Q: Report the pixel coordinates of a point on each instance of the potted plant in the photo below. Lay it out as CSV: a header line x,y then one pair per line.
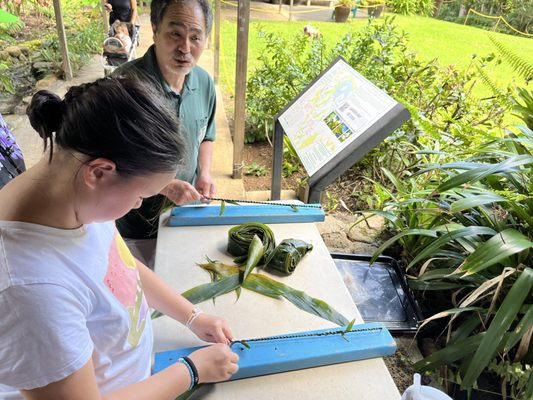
x,y
375,7
343,9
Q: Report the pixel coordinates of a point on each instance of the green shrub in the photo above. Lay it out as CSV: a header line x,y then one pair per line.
x,y
411,7
439,99
256,169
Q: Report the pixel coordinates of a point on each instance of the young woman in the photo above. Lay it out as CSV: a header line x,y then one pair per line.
x,y
75,319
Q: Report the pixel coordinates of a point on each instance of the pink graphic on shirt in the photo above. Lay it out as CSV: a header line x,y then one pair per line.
x,y
122,279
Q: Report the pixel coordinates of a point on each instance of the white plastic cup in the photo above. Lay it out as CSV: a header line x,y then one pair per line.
x,y
420,392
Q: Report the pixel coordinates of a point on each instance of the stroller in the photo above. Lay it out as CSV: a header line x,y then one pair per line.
x,y
111,56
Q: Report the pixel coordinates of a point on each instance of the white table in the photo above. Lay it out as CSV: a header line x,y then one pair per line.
x,y
254,315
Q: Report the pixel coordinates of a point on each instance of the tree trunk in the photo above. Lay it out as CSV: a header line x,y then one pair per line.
x,y
438,5
462,11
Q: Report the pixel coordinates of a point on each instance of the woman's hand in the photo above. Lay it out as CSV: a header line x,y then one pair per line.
x,y
181,192
215,363
211,328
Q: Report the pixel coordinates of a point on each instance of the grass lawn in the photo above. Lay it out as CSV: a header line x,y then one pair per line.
x,y
448,42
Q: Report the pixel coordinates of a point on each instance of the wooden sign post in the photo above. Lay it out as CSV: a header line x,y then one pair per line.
x,y
240,85
67,69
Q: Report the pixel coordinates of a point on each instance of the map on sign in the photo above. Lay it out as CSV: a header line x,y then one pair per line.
x,y
332,113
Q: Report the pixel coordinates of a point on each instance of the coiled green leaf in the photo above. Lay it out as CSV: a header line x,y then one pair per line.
x,y
240,237
287,255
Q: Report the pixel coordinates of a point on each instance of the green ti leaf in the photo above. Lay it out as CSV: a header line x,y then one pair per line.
x,y
499,247
211,290
348,329
300,299
255,253
243,342
496,335
230,280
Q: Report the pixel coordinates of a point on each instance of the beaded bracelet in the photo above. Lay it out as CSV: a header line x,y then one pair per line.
x,y
191,372
194,370
195,313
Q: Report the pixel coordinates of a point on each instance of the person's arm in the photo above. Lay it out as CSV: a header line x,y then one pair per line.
x,y
166,300
82,385
204,181
108,6
133,11
214,363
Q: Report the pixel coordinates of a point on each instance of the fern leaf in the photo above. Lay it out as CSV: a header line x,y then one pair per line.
x,y
519,64
490,83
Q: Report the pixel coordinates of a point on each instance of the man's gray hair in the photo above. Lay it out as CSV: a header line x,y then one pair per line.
x,y
158,8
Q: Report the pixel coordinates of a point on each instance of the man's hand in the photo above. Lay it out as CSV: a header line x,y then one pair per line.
x,y
205,185
108,7
181,192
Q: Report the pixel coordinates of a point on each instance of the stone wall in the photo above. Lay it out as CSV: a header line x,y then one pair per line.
x,y
19,73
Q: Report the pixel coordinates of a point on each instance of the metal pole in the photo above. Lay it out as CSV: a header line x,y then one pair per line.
x,y
243,21
277,160
67,69
217,42
280,5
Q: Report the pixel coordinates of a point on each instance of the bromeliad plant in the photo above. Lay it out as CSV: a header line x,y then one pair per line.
x,y
466,230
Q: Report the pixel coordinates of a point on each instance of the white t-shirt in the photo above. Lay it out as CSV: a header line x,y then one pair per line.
x,y
67,296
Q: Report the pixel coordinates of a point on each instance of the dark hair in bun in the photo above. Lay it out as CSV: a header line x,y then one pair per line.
x,y
45,113
118,118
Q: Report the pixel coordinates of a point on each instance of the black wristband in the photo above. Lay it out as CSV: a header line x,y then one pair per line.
x,y
194,370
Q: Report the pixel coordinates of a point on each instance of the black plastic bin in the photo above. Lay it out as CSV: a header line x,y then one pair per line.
x,y
380,291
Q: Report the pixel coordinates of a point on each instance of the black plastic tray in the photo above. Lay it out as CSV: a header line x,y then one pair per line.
x,y
379,291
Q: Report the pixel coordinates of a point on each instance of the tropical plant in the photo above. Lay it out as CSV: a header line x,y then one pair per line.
x,y
466,231
520,65
256,169
514,375
5,82
525,109
524,68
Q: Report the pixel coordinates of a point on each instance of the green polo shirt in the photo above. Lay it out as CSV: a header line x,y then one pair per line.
x,y
195,107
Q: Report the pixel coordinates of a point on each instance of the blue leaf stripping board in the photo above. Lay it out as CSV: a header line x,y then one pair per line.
x,y
237,214
289,353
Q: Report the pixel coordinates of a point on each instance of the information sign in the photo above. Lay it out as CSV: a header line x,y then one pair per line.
x,y
332,113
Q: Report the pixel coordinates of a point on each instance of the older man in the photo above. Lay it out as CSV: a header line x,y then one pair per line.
x,y
180,31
